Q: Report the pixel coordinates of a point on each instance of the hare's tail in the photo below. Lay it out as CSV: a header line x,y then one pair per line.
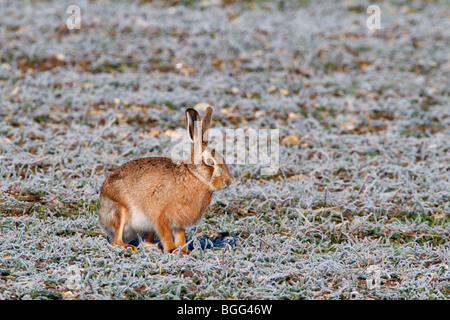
x,y
107,215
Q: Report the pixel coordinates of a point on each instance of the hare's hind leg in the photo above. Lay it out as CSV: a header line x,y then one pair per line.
x,y
117,238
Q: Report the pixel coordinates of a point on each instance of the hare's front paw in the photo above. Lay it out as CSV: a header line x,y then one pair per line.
x,y
173,249
183,250
124,245
166,250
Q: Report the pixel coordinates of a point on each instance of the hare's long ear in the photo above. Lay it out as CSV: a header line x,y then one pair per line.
x,y
206,123
192,118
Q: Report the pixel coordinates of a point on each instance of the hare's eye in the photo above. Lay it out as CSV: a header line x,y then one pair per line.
x,y
210,161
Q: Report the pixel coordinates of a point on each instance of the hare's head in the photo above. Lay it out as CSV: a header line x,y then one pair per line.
x,y
207,164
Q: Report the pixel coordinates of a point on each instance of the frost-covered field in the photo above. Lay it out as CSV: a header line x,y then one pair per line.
x,y
359,209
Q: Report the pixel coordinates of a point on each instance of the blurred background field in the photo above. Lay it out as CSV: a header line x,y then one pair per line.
x,y
358,210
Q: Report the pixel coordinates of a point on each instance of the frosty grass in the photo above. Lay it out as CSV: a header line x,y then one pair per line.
x,y
358,210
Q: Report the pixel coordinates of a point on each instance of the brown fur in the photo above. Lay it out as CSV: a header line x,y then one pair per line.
x,y
156,194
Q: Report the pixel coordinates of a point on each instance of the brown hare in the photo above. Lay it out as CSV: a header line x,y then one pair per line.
x,y
159,195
